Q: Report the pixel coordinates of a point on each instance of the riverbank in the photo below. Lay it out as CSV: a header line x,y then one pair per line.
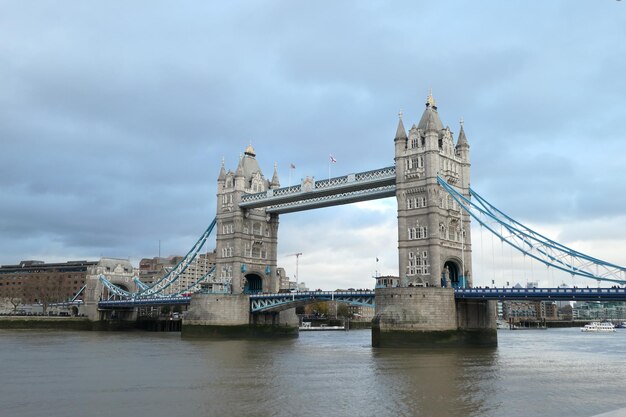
x,y
47,323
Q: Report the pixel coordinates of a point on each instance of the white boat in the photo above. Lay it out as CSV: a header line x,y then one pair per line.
x,y
597,327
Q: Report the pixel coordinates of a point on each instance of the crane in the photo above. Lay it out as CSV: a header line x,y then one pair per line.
x,y
297,255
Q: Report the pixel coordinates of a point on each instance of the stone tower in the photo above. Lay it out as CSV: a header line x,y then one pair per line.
x,y
246,240
434,244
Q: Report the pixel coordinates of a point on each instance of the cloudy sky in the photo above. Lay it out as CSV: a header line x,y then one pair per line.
x,y
114,117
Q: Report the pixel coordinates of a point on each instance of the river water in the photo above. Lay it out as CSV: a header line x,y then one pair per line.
x,y
555,372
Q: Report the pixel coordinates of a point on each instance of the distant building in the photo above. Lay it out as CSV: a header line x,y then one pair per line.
x,y
597,310
388,281
529,310
151,270
32,280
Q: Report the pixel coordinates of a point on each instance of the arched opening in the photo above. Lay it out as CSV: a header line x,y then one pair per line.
x,y
253,285
451,274
74,310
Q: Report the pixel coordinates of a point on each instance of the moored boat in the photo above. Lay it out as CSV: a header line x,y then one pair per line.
x,y
597,327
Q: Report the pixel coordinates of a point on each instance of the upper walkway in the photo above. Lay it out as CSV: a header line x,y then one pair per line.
x,y
311,194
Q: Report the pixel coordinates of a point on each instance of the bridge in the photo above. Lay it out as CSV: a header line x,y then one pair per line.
x,y
436,205
283,301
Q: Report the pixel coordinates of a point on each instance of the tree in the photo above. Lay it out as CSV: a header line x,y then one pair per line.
x,y
343,311
14,296
320,308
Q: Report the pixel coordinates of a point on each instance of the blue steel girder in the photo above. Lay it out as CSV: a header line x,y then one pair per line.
x,y
359,186
542,294
139,302
283,301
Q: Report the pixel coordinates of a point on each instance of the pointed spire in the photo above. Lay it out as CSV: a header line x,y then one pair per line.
x,y
250,151
462,141
275,183
430,118
430,101
401,131
222,175
239,172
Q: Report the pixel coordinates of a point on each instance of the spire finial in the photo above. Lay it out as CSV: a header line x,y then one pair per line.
x,y
430,101
461,121
400,114
222,161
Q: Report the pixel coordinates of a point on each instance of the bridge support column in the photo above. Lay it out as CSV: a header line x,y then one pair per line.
x,y
228,316
426,317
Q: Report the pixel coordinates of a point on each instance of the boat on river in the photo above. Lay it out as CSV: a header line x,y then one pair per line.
x,y
597,327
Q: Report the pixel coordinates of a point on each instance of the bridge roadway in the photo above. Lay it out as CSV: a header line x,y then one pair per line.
x,y
281,301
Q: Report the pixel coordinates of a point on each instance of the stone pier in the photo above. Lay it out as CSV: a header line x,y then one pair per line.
x,y
427,317
228,316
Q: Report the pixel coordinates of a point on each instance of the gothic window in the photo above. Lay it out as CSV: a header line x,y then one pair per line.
x,y
414,142
227,228
256,228
421,162
256,251
245,228
409,203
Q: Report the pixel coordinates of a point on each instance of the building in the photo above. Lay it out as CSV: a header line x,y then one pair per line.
x,y
433,232
37,281
153,269
597,310
529,310
387,281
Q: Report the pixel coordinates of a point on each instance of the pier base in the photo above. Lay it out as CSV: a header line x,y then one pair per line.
x,y
430,317
228,316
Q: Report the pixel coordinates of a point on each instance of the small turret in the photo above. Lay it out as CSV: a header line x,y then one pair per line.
x,y
275,183
462,146
401,131
222,175
240,179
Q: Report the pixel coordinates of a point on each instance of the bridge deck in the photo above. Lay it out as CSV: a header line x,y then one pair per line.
x,y
539,294
281,301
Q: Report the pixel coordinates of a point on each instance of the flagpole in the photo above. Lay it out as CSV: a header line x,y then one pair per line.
x,y
329,169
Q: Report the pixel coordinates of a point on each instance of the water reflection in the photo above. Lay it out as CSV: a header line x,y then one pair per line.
x,y
553,372
446,382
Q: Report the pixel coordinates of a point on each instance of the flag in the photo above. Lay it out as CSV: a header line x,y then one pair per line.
x,y
333,160
292,166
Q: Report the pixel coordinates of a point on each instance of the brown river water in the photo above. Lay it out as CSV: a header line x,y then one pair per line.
x,y
554,372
